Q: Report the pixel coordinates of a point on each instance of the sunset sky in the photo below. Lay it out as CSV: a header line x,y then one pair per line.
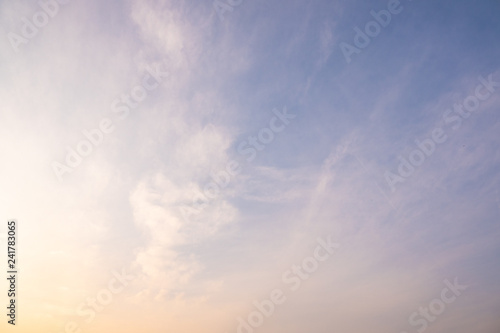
x,y
175,166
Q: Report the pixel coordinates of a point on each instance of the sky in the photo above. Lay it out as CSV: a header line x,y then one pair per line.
x,y
243,166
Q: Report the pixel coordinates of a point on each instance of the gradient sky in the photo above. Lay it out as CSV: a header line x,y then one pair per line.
x,y
323,176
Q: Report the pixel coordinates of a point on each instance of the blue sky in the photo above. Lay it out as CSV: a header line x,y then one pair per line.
x,y
323,175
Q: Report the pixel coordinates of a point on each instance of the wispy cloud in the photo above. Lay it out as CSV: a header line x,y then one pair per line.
x,y
322,175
